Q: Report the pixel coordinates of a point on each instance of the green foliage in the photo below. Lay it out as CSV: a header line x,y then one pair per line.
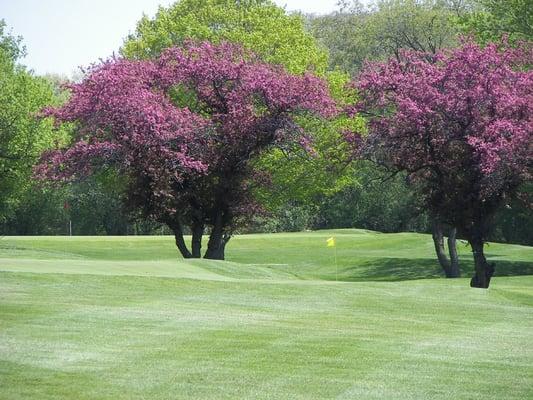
x,y
493,18
357,33
11,47
300,178
513,222
38,211
375,201
95,207
290,216
22,136
258,25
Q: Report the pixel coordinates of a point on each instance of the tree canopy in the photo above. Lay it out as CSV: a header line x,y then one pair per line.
x,y
379,30
258,25
492,19
22,136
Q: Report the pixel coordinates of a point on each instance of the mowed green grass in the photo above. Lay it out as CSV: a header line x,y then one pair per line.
x,y
125,318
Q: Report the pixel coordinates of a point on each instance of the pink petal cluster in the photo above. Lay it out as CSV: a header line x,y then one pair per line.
x,y
123,120
469,108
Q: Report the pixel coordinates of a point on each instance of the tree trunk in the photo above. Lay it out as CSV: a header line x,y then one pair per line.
x,y
180,242
449,266
455,272
216,251
483,271
438,241
196,244
217,240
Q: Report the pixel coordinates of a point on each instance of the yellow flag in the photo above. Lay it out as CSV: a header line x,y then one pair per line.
x,y
331,242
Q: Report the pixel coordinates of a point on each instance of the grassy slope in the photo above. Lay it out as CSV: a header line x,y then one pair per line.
x,y
122,318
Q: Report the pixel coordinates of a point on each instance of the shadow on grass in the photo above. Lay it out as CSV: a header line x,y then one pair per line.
x,y
402,269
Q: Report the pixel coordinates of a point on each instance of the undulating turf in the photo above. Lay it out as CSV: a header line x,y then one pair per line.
x,y
124,318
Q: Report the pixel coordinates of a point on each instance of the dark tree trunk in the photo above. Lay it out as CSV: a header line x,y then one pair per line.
x,y
438,241
449,266
216,249
455,272
218,239
483,271
196,244
180,242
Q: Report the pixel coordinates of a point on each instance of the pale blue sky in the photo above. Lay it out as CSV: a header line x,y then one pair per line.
x,y
61,35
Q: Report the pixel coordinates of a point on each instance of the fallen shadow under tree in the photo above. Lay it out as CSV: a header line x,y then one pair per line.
x,y
400,269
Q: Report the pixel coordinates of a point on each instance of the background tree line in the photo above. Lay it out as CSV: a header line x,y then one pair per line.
x,y
325,191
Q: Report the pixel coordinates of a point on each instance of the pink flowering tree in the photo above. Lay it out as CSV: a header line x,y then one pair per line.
x,y
182,130
460,125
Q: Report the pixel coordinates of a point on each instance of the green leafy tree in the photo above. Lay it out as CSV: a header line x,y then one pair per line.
x,y
514,220
491,19
357,33
22,136
300,180
258,25
377,201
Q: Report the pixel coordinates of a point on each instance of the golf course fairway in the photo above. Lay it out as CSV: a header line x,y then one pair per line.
x,y
127,318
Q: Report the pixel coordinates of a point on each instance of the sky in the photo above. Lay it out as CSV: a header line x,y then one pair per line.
x,y
62,35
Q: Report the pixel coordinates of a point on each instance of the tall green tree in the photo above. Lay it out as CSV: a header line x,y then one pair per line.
x,y
357,32
258,25
22,135
300,181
